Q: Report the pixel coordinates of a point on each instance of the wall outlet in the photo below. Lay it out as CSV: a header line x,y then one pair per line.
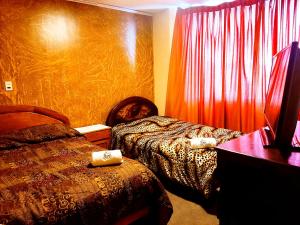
x,y
8,86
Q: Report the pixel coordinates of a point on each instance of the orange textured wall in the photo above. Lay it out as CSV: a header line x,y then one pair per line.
x,y
76,59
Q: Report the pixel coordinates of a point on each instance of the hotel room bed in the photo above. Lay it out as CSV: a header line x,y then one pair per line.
x,y
163,144
46,177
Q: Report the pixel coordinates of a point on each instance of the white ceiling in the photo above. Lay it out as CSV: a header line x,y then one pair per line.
x,y
151,6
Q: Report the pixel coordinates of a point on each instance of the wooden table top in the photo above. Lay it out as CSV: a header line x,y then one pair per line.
x,y
251,145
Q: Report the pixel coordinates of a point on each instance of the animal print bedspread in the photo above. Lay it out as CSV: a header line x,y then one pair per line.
x,y
45,178
163,145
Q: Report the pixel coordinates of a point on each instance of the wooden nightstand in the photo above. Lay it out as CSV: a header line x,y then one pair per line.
x,y
98,134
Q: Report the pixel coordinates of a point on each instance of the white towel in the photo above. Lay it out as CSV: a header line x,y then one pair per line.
x,y
201,142
109,157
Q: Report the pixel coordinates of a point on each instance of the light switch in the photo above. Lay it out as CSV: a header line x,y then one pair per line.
x,y
8,86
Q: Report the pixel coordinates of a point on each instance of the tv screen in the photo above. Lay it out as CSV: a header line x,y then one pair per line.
x,y
283,96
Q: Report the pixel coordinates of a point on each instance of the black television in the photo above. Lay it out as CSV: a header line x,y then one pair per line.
x,y
283,98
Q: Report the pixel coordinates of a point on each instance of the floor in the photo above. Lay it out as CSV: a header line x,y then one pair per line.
x,y
189,207
186,212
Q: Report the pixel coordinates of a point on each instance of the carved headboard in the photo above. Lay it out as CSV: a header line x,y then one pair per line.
x,y
131,109
13,117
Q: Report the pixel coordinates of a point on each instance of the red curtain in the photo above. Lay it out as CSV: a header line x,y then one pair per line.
x,y
221,60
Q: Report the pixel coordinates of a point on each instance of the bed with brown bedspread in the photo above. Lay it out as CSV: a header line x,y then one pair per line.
x,y
45,178
163,145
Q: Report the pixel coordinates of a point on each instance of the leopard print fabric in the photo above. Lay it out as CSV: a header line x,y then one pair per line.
x,y
163,145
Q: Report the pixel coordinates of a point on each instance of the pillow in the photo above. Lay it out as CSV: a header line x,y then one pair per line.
x,y
36,134
9,144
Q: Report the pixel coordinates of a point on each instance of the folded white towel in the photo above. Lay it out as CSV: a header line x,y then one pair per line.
x,y
201,142
109,157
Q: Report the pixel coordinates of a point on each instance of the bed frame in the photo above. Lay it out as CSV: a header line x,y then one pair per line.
x,y
14,117
131,109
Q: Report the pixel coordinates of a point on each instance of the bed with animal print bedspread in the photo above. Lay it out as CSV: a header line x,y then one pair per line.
x,y
163,145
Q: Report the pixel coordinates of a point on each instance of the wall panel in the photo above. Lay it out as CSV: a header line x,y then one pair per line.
x,y
73,58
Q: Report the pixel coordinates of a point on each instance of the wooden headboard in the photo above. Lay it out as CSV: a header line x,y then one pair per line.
x,y
131,109
13,117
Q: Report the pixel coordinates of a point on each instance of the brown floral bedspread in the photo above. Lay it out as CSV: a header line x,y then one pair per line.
x,y
45,178
163,145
